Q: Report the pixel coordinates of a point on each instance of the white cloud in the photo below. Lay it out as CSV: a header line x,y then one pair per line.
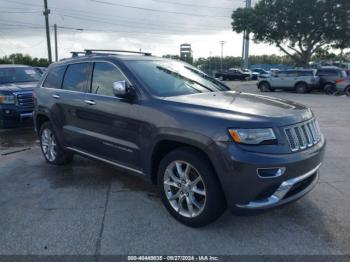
x,y
109,26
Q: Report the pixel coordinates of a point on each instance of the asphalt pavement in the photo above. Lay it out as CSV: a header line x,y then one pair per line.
x,y
91,208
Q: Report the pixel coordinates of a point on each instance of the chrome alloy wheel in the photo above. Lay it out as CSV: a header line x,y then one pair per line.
x,y
184,188
48,144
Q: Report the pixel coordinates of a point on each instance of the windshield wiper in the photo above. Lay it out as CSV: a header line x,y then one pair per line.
x,y
209,78
170,72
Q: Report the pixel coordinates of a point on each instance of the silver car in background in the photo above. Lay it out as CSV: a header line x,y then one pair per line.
x,y
301,81
343,86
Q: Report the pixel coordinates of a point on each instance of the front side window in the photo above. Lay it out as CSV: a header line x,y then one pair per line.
x,y
103,77
172,78
76,77
54,77
18,74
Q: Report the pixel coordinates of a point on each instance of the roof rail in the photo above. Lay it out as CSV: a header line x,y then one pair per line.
x,y
76,53
92,51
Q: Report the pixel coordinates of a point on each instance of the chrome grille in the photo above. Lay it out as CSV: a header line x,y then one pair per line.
x,y
303,135
25,100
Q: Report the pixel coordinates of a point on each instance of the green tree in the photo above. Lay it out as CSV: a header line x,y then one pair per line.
x,y
24,59
300,28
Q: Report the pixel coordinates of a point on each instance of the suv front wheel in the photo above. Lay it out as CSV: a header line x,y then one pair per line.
x,y
265,87
52,151
301,88
189,188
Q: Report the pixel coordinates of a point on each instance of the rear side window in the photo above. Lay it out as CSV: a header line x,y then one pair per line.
x,y
76,77
54,77
327,73
103,77
305,73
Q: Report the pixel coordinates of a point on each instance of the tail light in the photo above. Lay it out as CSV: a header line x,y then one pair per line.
x,y
339,81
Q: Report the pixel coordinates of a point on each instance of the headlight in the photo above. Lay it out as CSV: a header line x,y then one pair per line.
x,y
7,99
252,136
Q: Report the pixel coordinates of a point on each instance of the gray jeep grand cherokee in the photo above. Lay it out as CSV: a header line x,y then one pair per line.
x,y
205,146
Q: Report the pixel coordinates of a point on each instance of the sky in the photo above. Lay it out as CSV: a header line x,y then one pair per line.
x,y
156,26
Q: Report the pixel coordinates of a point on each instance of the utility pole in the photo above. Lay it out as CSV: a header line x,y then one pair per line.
x,y
209,64
46,14
56,47
246,42
243,49
222,52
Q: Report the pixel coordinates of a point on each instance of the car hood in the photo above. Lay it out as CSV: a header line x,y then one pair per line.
x,y
246,107
18,87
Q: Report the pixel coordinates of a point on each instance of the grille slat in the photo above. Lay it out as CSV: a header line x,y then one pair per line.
x,y
25,100
303,135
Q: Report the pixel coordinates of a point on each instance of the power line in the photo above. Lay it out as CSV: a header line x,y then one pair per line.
x,y
156,10
193,5
142,25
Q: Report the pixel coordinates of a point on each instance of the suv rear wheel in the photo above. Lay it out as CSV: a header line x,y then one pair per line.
x,y
264,87
189,188
52,151
347,91
301,88
329,89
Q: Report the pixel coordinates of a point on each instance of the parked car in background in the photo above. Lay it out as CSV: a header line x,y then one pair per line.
x,y
40,70
261,72
205,146
16,88
329,76
302,81
253,75
343,86
233,74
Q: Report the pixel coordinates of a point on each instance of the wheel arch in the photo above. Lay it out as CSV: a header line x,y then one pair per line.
x,y
164,146
40,119
301,82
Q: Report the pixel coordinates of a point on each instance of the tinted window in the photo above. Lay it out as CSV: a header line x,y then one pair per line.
x,y
103,77
327,73
281,73
291,73
18,74
54,77
305,73
76,77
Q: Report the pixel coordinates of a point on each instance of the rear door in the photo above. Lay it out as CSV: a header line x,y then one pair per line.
x,y
71,105
113,123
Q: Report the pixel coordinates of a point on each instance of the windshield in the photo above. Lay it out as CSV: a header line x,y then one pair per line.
x,y
18,74
172,78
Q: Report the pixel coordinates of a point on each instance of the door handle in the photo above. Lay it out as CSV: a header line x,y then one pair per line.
x,y
90,102
56,96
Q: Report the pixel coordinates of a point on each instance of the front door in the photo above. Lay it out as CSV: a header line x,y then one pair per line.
x,y
112,123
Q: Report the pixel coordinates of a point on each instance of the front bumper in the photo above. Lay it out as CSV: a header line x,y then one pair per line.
x,y
246,191
301,184
12,114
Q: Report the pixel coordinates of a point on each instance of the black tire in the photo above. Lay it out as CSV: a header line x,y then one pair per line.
x,y
329,89
301,88
214,204
61,156
347,91
264,87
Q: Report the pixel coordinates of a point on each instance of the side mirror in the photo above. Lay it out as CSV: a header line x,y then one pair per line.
x,y
121,88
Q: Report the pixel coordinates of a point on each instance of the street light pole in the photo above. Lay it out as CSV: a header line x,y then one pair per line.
x,y
46,14
222,52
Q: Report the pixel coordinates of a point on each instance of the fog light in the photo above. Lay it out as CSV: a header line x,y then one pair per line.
x,y
271,172
7,111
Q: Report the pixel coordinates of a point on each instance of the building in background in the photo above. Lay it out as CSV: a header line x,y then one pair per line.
x,y
186,53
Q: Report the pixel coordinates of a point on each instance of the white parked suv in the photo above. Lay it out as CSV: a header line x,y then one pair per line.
x,y
302,81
